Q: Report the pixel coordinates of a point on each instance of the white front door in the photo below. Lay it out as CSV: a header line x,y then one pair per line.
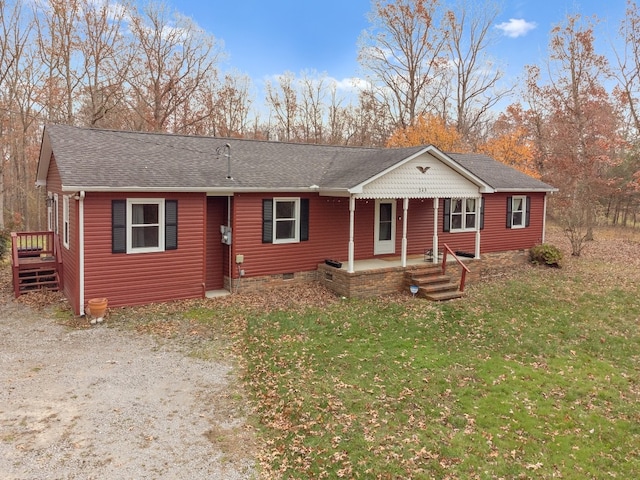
x,y
385,227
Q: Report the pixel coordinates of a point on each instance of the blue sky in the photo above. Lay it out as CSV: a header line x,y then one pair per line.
x,y
264,38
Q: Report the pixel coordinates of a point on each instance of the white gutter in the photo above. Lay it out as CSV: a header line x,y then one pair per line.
x,y
81,247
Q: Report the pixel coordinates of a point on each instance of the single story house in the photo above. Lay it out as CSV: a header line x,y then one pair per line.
x,y
152,217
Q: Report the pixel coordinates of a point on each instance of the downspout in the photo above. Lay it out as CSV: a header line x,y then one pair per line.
x,y
81,248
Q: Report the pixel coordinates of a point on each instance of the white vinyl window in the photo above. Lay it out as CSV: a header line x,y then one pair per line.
x,y
518,211
145,225
65,221
286,218
463,214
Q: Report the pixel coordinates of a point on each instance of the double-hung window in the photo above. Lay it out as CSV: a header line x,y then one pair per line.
x,y
518,211
460,214
285,220
147,233
286,216
142,225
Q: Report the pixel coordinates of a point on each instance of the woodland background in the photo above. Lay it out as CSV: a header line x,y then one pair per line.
x,y
429,78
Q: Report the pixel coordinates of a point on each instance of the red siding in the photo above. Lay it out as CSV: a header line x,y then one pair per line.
x,y
133,279
419,226
328,233
328,236
70,256
217,252
496,237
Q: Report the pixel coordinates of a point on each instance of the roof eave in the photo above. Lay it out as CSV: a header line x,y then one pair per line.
x,y
532,190
44,160
440,155
209,190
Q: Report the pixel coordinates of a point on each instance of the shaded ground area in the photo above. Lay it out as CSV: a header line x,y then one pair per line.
x,y
106,402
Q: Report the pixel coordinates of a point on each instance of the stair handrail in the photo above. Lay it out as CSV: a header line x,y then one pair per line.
x,y
465,269
57,253
15,264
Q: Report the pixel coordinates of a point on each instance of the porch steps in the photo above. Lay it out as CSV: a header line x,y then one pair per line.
x,y
432,285
37,279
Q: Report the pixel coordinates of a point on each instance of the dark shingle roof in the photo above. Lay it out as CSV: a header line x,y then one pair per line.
x,y
498,175
97,159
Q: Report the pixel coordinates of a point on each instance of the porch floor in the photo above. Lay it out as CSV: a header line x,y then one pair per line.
x,y
387,262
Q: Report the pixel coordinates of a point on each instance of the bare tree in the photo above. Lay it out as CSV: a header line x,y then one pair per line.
x,y
174,57
56,23
475,77
312,107
402,51
232,104
106,55
283,105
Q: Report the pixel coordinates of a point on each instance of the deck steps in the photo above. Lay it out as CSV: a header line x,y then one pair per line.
x,y
38,279
432,285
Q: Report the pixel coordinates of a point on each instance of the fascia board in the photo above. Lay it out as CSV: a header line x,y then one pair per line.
x,y
44,160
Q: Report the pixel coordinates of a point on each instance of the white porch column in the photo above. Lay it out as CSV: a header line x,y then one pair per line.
x,y
544,218
478,211
352,210
405,209
436,216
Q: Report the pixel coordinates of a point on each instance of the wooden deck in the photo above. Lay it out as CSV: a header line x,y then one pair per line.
x,y
36,262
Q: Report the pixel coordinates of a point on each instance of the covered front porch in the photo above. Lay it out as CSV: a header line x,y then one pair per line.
x,y
440,280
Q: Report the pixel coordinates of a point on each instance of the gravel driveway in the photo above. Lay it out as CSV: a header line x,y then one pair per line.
x,y
103,402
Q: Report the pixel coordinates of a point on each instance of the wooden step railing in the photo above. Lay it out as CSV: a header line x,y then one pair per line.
x,y
465,269
35,252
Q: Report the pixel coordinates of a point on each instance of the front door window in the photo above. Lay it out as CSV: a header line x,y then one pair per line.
x,y
385,227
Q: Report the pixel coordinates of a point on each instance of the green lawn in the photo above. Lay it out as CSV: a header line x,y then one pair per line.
x,y
537,376
532,376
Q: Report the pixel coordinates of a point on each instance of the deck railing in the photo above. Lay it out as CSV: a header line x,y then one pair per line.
x,y
465,269
29,245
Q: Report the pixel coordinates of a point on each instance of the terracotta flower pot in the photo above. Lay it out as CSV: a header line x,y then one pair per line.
x,y
97,309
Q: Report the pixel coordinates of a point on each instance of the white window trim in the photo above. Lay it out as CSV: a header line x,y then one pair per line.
x,y
66,233
523,211
55,216
161,221
464,215
49,211
296,227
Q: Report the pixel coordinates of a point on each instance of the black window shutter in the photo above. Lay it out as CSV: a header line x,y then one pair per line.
x,y
118,226
267,220
481,213
304,219
446,217
171,225
509,211
528,210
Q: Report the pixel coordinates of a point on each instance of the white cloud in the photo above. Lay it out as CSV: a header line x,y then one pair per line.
x,y
516,27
